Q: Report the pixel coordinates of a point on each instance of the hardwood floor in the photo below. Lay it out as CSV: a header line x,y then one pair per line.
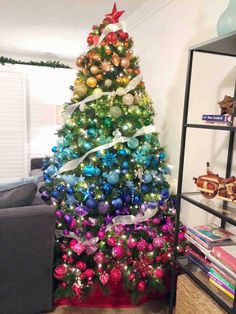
x,y
152,307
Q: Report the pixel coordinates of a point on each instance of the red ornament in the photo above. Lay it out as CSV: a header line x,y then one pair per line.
x,y
76,289
159,273
128,253
94,27
72,243
123,35
117,251
81,265
64,258
70,260
164,258
111,37
131,277
141,286
115,274
60,271
63,284
111,241
90,40
114,16
99,257
89,273
104,278
131,242
95,39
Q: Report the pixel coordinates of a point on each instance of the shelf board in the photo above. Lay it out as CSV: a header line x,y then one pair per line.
x,y
211,127
222,209
200,278
223,45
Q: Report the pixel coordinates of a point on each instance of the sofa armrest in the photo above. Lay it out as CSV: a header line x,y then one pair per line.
x,y
24,211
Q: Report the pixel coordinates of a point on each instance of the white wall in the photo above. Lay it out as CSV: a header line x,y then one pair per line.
x,y
162,32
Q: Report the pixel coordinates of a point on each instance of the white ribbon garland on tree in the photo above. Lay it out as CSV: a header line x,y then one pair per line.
x,y
72,164
71,108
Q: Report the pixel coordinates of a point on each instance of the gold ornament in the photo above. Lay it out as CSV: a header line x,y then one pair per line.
x,y
96,57
91,82
125,80
115,59
108,83
126,43
85,71
94,69
79,62
108,50
99,77
98,92
125,63
106,66
75,97
78,81
81,89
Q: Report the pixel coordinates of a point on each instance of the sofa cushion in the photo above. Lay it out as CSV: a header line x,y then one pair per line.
x,y
19,196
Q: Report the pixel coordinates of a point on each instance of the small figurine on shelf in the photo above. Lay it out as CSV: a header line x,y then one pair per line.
x,y
226,105
211,185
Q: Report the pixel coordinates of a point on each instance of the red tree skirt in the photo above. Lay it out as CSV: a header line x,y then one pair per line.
x,y
117,298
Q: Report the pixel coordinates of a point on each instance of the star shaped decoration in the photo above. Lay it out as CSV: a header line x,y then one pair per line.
x,y
81,179
138,173
114,16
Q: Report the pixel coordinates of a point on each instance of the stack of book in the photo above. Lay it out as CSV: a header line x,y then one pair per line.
x,y
214,252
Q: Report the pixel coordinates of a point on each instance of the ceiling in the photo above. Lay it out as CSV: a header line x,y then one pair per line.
x,y
53,28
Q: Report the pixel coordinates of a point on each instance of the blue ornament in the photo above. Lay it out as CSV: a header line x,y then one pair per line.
x,y
70,191
70,179
92,132
117,203
122,152
124,171
162,155
113,178
87,145
166,170
54,149
125,164
165,193
90,171
133,143
144,188
127,198
152,204
147,162
61,188
51,170
137,199
67,152
55,194
147,178
107,188
109,159
155,162
91,203
146,147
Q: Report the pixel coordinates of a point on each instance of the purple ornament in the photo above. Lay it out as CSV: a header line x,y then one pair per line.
x,y
118,229
103,207
81,210
88,235
77,232
58,213
68,218
127,198
45,196
117,202
152,204
65,232
143,207
165,228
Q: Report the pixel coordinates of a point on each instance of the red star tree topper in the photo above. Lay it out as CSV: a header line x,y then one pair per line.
x,y
114,16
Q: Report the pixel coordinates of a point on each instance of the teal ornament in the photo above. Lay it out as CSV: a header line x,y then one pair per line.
x,y
146,147
133,143
92,132
227,20
162,155
90,171
115,112
51,170
54,149
122,152
87,145
113,178
70,179
147,178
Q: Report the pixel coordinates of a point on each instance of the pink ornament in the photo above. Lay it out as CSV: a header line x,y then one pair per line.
x,y
158,242
73,223
150,247
81,265
131,243
70,260
181,236
104,278
76,289
89,273
101,234
142,245
131,277
141,286
79,248
111,241
95,39
88,235
64,258
99,257
115,274
159,273
156,221
60,271
72,243
117,251
63,284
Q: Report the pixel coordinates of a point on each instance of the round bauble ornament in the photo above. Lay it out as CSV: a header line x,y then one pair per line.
x,y
162,155
111,37
80,90
79,62
125,164
90,40
122,152
158,242
99,77
125,80
136,71
60,271
115,59
107,188
70,179
51,170
98,92
81,265
108,50
108,83
123,35
87,145
128,99
115,274
115,112
133,143
88,235
144,188
101,234
117,202
125,63
67,218
113,178
120,91
141,286
54,149
108,122
92,132
165,193
146,147
95,39
103,207
117,251
131,276
91,203
81,210
111,241
99,257
94,69
147,178
91,82
45,196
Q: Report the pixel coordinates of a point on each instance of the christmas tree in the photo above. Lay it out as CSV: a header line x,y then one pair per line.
x,y
108,176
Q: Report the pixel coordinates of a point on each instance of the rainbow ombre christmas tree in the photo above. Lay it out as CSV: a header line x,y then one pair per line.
x,y
108,176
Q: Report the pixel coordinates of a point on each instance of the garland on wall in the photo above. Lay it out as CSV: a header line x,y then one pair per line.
x,y
51,64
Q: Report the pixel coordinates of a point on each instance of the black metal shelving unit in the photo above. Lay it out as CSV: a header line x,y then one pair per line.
x,y
225,46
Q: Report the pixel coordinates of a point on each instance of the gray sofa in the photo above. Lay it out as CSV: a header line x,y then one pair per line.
x,y
26,259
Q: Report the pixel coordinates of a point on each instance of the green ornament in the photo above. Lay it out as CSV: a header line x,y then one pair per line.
x,y
146,147
115,112
108,122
